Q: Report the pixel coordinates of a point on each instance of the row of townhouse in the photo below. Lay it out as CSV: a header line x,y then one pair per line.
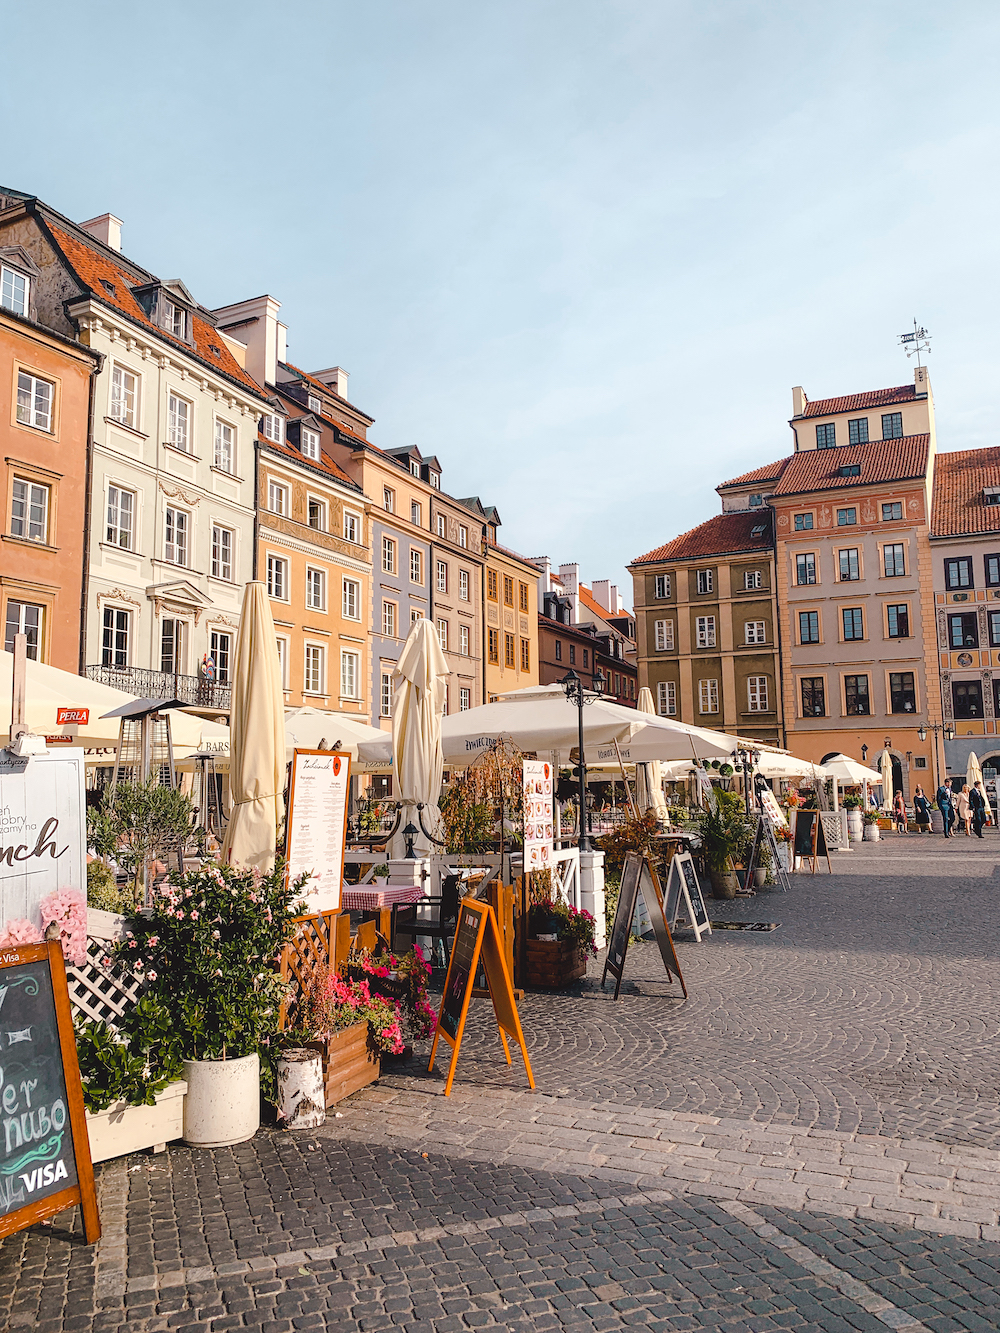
x,y
841,601
160,454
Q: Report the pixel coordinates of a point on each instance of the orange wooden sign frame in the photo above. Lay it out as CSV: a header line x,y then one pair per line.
x,y
488,949
83,1191
345,758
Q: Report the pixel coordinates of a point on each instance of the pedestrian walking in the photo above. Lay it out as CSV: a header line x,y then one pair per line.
x,y
943,798
977,800
899,812
965,809
921,811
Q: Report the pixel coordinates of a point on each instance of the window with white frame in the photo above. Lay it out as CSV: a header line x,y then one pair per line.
x,y
34,401
464,699
352,527
441,525
661,585
173,317
416,565
752,578
414,468
117,632
415,615
463,535
220,645
315,588
277,578
352,599
755,631
282,644
385,701
124,406
313,683
225,446
176,534
349,675
309,443
14,290
223,540
389,619
25,618
666,698
415,513
273,427
664,635
277,497
705,631
178,422
388,555
706,580
463,585
433,479
314,404
757,694
316,511
708,696
463,640
442,629
441,581
121,518
389,499
29,510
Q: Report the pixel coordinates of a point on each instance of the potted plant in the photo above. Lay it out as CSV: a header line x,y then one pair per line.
x,y
403,982
135,824
351,1028
872,828
853,803
560,940
719,840
783,837
208,950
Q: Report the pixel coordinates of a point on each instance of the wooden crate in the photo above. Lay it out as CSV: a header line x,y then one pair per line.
x,y
552,964
348,1064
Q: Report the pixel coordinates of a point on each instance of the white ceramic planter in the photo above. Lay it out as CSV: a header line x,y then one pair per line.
x,y
855,825
872,833
122,1129
222,1105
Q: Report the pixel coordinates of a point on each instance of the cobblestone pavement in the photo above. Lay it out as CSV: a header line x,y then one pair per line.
x,y
809,1143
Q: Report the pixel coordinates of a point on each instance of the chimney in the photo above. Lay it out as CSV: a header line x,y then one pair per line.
x,y
799,401
255,322
335,378
106,228
921,381
603,593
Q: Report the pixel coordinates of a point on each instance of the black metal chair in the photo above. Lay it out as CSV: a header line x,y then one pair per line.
x,y
443,927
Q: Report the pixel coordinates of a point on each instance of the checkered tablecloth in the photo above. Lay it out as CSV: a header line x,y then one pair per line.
x,y
367,898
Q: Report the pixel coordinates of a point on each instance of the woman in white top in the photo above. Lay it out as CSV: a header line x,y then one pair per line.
x,y
965,810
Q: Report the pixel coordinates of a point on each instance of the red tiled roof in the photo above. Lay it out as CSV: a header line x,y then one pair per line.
x,y
855,402
959,478
325,388
94,269
323,464
726,534
771,472
880,461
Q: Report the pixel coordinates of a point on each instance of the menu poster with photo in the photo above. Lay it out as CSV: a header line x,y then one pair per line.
x,y
317,825
771,808
538,831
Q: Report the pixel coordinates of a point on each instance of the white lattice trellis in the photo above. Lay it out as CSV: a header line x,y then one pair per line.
x,y
96,991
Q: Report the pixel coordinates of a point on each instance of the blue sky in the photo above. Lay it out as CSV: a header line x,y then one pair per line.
x,y
581,251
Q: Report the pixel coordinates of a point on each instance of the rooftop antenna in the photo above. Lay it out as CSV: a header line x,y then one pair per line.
x,y
916,342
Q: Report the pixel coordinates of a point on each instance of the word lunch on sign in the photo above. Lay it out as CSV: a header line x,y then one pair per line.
x,y
44,1147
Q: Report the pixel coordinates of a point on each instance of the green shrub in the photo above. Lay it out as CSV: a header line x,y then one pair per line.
x,y
103,891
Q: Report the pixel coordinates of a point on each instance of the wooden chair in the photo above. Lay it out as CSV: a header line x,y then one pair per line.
x,y
443,927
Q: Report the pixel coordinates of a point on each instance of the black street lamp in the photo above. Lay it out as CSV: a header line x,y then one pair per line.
x,y
575,693
749,759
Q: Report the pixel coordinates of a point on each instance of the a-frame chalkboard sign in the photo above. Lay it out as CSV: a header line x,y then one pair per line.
x,y
477,942
684,887
810,838
638,874
45,1162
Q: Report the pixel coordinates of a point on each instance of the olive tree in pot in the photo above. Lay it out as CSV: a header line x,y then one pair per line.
x,y
135,824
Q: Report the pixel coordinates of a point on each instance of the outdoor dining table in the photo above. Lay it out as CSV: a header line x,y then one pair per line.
x,y
380,904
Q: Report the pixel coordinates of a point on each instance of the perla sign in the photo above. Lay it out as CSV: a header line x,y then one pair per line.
x,y
42,830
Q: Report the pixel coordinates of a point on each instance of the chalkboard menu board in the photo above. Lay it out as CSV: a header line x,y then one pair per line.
x,y
810,837
44,1149
460,970
683,887
621,929
698,907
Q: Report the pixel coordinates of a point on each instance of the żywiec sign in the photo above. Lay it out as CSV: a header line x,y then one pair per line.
x,y
42,830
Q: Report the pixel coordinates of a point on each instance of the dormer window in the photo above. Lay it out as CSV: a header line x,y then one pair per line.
x,y
850,470
756,501
434,480
757,532
991,495
309,443
414,468
109,287
14,290
273,427
173,318
315,404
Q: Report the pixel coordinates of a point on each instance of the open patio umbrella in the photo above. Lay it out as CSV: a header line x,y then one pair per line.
x,y
973,772
315,728
648,778
417,709
257,738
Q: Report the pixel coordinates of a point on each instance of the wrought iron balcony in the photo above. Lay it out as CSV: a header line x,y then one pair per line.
x,y
163,685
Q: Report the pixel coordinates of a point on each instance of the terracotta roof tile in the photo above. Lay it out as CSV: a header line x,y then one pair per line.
x,y
323,464
959,478
771,472
879,461
856,402
112,284
725,534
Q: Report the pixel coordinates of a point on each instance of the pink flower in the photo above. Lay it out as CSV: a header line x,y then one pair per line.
x,y
153,939
194,916
150,976
18,932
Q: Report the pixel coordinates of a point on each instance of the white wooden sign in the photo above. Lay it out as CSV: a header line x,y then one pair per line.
x,y
772,809
317,825
538,831
43,831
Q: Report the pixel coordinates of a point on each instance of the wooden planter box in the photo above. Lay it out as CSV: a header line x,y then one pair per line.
x,y
552,964
122,1129
348,1064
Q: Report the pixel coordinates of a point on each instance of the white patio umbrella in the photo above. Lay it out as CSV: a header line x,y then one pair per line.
x,y
849,772
973,772
648,778
257,737
417,709
311,728
885,770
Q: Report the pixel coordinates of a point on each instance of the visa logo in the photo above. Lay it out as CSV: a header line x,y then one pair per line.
x,y
44,1175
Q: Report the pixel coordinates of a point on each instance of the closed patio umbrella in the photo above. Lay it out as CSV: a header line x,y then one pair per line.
x,y
257,738
885,768
648,778
973,772
417,710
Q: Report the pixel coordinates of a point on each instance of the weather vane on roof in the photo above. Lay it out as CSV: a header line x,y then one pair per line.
x,y
916,342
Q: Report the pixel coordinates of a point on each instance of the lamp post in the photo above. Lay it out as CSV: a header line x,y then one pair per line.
x,y
573,686
947,732
749,759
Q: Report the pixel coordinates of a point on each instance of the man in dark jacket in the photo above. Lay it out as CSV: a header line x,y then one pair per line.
x,y
978,803
943,798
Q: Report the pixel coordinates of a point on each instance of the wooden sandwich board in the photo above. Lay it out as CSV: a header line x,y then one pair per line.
x,y
45,1161
810,838
477,942
638,875
684,887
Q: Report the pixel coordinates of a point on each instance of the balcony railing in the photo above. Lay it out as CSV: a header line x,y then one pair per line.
x,y
163,685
